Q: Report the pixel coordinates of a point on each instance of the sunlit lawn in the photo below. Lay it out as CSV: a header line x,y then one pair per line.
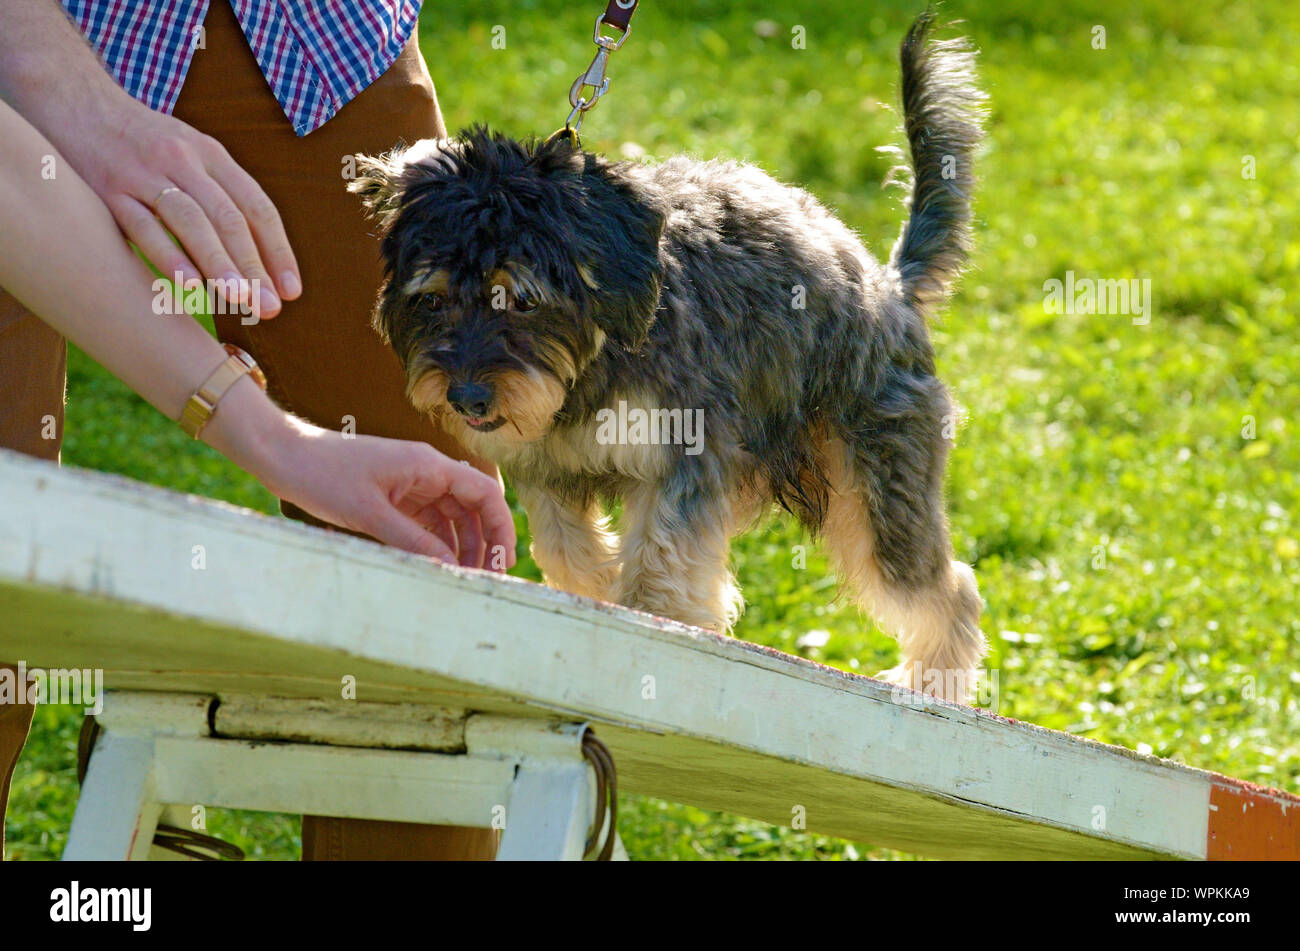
x,y
1127,493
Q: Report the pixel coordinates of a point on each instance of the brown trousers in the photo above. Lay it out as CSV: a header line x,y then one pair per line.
x,y
322,360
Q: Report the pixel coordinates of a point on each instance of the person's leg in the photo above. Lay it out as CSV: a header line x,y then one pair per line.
x,y
33,363
321,357
15,721
334,839
33,360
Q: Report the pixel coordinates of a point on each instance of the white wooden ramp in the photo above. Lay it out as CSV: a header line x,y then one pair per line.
x,y
101,572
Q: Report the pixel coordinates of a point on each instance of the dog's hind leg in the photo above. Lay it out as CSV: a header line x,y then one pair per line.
x,y
676,546
886,531
572,543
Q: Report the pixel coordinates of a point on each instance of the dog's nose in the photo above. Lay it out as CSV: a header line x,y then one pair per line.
x,y
470,399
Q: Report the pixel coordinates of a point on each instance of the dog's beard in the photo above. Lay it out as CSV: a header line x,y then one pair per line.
x,y
526,403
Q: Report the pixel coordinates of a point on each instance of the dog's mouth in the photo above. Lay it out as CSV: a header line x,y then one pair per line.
x,y
484,425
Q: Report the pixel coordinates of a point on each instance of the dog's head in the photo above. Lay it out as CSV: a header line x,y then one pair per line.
x,y
510,265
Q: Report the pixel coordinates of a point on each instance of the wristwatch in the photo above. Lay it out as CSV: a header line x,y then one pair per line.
x,y
203,404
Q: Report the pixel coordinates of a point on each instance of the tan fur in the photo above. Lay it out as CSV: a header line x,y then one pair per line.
x,y
686,577
575,548
747,506
428,282
520,281
561,360
428,392
576,449
937,628
528,401
676,575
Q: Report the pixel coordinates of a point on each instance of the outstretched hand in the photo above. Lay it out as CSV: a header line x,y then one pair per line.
x,y
405,494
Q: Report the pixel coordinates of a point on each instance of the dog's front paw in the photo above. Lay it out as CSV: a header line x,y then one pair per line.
x,y
900,676
601,583
933,683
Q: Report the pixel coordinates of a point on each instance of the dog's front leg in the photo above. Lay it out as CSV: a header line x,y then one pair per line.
x,y
572,543
675,552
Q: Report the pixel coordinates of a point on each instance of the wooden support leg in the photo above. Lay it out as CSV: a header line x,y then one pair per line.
x,y
548,814
118,810
553,790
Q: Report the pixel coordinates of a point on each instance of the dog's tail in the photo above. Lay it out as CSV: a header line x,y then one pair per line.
x,y
943,116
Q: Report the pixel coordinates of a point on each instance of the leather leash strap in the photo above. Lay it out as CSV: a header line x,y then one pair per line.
x,y
619,13
602,761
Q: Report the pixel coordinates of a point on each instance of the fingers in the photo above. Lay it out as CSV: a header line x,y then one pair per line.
x,y
232,230
261,222
191,225
482,495
469,531
143,230
440,526
459,527
472,501
148,164
416,499
391,527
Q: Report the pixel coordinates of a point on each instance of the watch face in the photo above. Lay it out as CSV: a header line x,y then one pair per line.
x,y
253,369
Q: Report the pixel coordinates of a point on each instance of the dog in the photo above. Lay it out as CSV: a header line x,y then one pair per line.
x,y
533,289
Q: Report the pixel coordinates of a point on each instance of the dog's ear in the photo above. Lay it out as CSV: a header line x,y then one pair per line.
x,y
381,180
623,257
377,180
617,251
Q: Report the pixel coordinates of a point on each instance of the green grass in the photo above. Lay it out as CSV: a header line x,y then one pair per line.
x,y
1137,553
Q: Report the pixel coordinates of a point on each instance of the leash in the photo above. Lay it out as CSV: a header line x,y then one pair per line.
x,y
195,845
602,761
618,16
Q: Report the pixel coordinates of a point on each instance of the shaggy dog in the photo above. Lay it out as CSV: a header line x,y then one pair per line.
x,y
697,341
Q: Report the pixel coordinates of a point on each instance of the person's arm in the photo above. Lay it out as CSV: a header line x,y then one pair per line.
x,y
130,155
63,257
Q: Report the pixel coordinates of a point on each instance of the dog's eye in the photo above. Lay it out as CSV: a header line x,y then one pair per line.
x,y
433,302
524,303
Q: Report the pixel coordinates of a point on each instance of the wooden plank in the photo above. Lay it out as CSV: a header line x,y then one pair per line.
x,y
1249,822
341,723
99,571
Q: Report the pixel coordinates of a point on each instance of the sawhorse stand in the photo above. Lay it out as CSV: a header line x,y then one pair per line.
x,y
164,753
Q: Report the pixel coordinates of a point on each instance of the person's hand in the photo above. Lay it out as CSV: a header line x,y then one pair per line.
x,y
406,494
152,170
62,256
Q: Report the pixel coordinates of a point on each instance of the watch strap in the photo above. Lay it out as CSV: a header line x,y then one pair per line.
x,y
202,405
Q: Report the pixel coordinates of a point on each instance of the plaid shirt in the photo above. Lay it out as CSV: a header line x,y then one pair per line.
x,y
316,54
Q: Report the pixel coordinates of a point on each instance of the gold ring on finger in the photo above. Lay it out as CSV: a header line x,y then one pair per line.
x,y
162,194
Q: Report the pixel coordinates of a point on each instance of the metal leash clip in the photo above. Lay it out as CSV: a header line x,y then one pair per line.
x,y
593,78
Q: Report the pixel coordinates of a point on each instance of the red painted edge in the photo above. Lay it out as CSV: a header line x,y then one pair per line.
x,y
1249,822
